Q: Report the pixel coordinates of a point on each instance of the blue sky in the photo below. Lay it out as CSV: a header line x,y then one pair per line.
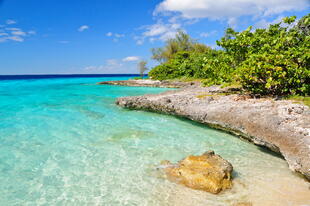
x,y
110,36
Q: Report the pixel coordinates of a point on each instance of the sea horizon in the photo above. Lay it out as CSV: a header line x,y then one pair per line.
x,y
49,76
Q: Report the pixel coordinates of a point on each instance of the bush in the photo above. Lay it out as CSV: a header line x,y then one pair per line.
x,y
271,61
218,68
274,74
182,64
163,72
277,61
189,64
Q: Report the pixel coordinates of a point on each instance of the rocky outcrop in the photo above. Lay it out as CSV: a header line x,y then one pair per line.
x,y
281,126
208,172
151,83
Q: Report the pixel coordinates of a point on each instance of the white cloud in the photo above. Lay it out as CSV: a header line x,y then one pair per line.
x,y
232,22
63,42
158,31
115,36
109,34
94,68
172,15
15,38
131,59
13,33
31,32
229,9
83,28
208,34
139,41
127,65
111,64
119,35
13,29
263,23
10,21
18,33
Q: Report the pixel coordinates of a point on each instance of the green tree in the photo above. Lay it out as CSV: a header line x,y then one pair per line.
x,y
181,42
200,48
142,67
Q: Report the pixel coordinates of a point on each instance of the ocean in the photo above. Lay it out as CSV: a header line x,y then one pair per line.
x,y
63,141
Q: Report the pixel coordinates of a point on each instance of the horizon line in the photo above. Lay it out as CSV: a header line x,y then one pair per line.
x,y
67,74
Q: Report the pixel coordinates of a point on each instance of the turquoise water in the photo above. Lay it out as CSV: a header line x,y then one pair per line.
x,y
65,142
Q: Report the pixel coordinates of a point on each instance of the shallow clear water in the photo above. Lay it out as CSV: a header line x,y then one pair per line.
x,y
65,142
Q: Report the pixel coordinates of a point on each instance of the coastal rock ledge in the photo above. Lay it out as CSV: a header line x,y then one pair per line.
x,y
208,172
150,83
282,126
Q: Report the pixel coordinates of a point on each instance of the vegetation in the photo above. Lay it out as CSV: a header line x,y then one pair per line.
x,y
271,61
181,43
300,99
142,68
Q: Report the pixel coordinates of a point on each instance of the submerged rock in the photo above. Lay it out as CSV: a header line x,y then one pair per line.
x,y
208,172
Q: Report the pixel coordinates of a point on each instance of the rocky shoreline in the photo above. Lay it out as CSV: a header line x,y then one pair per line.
x,y
151,83
282,126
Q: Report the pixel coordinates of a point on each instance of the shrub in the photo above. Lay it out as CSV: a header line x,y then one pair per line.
x,y
274,74
271,61
164,71
189,64
281,65
218,68
183,63
274,60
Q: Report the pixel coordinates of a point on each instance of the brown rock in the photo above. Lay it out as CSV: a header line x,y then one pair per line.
x,y
243,204
208,172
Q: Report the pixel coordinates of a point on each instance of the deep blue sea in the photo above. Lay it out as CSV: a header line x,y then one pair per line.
x,y
63,141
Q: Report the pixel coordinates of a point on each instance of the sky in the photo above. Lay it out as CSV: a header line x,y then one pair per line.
x,y
111,36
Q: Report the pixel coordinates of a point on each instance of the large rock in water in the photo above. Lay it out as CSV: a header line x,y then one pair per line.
x,y
208,172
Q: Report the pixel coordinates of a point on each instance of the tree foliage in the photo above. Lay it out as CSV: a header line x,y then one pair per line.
x,y
181,42
142,67
274,60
